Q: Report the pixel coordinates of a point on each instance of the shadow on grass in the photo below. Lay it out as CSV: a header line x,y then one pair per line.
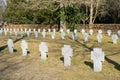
x,y
113,54
116,65
62,59
5,46
110,42
89,64
14,50
83,44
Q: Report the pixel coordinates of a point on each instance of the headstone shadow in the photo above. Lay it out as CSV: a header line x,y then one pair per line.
x,y
116,65
5,46
14,50
89,64
62,59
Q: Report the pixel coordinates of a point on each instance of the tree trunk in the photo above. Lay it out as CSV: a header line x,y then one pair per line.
x,y
62,23
91,15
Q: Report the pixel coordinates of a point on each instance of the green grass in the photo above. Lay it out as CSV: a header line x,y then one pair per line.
x,y
16,67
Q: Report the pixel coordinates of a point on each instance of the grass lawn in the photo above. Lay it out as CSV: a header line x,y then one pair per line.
x,y
16,67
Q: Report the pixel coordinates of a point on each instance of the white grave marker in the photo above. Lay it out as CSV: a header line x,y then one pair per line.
x,y
44,33
10,45
68,31
43,48
118,33
36,34
74,36
97,55
52,35
114,38
100,31
99,37
91,31
67,54
86,37
62,35
109,32
83,31
24,47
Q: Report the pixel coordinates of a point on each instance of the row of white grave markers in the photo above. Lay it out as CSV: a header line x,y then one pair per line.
x,y
97,55
28,31
5,30
74,35
43,48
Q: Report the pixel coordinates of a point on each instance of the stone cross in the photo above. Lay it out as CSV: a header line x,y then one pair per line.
x,y
100,31
49,30
83,31
52,35
62,35
10,45
99,37
91,31
109,32
68,31
44,33
10,32
24,47
118,33
67,54
38,30
97,55
5,31
114,38
43,48
74,36
36,34
86,37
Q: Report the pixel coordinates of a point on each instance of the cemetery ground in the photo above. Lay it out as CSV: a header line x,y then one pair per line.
x,y
17,67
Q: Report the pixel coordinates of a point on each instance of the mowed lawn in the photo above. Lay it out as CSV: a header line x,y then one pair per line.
x,y
16,67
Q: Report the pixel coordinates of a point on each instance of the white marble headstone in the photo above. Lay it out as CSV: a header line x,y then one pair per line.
x,y
28,33
49,30
38,30
114,38
100,31
54,30
22,33
67,53
52,35
68,31
91,31
10,32
62,35
16,32
75,31
10,45
83,31
5,31
74,36
43,48
109,32
118,33
34,30
97,55
99,37
24,47
43,33
25,30
36,34
86,37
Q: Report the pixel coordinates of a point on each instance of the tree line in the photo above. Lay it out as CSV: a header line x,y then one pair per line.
x,y
62,12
